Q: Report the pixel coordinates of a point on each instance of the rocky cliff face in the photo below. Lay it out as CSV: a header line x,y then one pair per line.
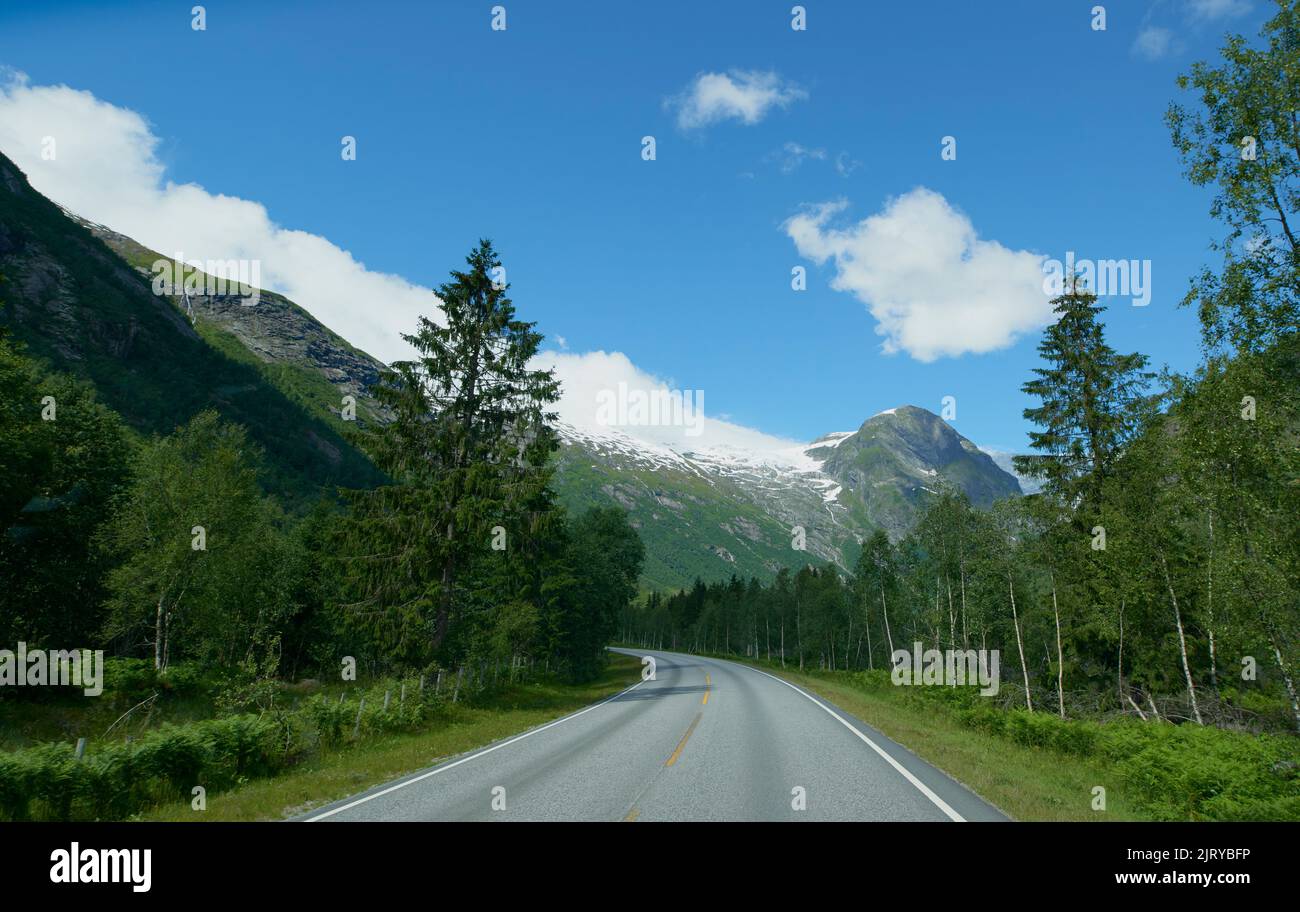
x,y
275,330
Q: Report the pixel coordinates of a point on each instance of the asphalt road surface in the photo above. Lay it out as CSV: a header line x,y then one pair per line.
x,y
706,739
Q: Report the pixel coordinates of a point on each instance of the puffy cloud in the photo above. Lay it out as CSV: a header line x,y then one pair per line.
x,y
744,95
106,169
590,381
933,285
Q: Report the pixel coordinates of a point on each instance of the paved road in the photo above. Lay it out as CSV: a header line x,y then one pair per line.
x,y
706,740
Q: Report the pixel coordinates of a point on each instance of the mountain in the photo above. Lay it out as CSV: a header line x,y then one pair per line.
x,y
80,296
1003,459
714,512
312,364
705,514
85,308
897,459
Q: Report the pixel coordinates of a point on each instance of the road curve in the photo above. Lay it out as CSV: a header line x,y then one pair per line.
x,y
707,739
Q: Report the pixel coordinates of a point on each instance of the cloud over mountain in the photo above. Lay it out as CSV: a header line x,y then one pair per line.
x,y
935,288
105,167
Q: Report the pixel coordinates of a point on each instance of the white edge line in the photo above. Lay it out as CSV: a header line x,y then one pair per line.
x,y
442,769
907,774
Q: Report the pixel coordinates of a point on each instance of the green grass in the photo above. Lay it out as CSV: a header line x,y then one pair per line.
x,y
332,774
1026,783
1039,767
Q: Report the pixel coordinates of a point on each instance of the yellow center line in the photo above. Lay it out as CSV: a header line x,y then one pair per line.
x,y
707,682
686,737
632,815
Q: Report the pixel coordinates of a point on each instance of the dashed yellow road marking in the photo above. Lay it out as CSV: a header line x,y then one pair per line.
x,y
632,815
686,737
707,682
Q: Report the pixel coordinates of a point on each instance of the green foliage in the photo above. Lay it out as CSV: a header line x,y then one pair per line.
x,y
1175,772
62,454
605,555
133,679
1243,139
201,570
468,450
1092,403
115,779
49,783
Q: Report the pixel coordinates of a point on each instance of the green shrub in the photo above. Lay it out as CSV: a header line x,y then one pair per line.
x,y
182,680
15,785
131,679
1174,772
329,718
114,780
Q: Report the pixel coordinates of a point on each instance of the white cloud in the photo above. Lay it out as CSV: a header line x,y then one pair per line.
x,y
1219,9
792,155
1153,42
934,287
744,95
106,169
586,376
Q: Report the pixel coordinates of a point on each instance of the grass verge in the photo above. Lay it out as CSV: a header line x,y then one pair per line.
x,y
337,773
1026,783
1037,766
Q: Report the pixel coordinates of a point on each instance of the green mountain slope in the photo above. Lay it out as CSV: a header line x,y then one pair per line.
x,y
85,310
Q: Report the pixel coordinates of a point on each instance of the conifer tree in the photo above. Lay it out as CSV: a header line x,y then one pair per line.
x,y
467,451
1092,401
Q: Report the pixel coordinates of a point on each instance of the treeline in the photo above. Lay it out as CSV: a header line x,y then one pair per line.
x,y
1158,571
169,549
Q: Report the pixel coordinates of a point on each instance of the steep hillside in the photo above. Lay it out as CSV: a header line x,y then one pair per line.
x,y
81,307
301,356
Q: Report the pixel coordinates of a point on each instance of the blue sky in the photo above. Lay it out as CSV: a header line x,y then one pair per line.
x,y
532,136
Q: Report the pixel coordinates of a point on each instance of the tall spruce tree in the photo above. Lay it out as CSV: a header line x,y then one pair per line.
x,y
467,451
1092,400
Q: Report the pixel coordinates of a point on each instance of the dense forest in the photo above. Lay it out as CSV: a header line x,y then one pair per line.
x,y
169,548
1158,571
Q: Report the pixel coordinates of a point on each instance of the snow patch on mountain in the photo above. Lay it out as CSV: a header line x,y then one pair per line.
x,y
771,477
